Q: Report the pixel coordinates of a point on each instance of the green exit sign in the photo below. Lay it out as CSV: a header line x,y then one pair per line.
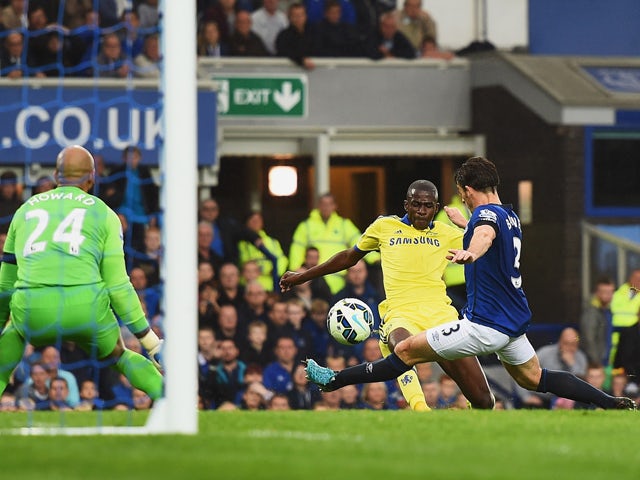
x,y
262,96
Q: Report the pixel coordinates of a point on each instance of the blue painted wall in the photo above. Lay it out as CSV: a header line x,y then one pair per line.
x,y
584,27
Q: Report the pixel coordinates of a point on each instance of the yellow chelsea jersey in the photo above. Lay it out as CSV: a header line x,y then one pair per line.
x,y
413,261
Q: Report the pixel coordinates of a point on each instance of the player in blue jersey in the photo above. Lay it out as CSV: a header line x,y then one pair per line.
x,y
63,275
497,314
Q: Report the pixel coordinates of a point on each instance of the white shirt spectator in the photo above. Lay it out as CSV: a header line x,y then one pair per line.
x,y
267,22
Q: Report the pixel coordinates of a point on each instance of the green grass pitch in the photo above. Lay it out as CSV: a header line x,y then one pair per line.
x,y
454,444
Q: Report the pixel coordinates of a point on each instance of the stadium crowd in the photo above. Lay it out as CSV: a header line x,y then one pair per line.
x,y
252,338
119,39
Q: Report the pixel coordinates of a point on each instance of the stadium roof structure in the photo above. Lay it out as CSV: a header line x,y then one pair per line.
x,y
565,90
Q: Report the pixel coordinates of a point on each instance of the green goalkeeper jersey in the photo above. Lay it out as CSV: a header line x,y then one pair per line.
x,y
66,237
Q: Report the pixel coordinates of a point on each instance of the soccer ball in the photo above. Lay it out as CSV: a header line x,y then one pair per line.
x,y
350,321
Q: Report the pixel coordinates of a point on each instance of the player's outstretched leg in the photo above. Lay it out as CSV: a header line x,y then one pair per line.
x,y
410,386
379,371
142,374
567,385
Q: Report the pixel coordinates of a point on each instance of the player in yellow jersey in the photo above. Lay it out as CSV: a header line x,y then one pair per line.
x,y
413,251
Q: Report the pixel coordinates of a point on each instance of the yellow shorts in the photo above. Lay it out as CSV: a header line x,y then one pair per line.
x,y
415,318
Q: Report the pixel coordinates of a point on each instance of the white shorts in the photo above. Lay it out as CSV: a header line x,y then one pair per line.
x,y
462,338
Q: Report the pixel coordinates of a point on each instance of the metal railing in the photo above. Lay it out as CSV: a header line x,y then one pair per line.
x,y
623,248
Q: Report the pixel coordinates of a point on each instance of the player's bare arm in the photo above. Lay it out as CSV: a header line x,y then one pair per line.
x,y
340,261
456,216
482,239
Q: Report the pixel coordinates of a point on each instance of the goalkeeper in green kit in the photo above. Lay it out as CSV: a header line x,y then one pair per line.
x,y
63,271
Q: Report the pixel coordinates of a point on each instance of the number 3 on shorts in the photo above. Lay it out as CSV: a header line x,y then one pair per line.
x,y
448,331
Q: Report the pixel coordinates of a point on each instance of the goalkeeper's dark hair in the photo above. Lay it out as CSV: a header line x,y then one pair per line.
x,y
478,173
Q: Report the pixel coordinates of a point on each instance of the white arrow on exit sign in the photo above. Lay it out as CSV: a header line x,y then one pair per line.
x,y
287,98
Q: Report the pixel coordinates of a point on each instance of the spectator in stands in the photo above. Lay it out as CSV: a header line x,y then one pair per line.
x,y
278,324
334,37
303,395
43,184
269,276
227,380
317,327
277,375
51,361
230,291
564,355
208,307
250,272
10,198
267,22
111,61
209,43
327,231
430,49
149,259
75,13
415,24
89,399
8,402
296,42
350,398
205,251
206,273
14,15
625,306
448,392
208,348
12,59
147,63
108,12
595,323
231,327
223,13
255,302
374,397
357,286
253,397
149,295
319,286
59,395
243,42
431,392
133,193
298,319
227,231
329,401
279,401
35,392
148,13
389,42
141,401
316,10
130,37
50,49
257,351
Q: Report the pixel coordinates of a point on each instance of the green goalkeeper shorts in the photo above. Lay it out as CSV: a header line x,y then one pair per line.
x,y
82,314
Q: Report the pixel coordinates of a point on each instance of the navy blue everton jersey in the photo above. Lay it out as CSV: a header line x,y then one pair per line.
x,y
494,286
